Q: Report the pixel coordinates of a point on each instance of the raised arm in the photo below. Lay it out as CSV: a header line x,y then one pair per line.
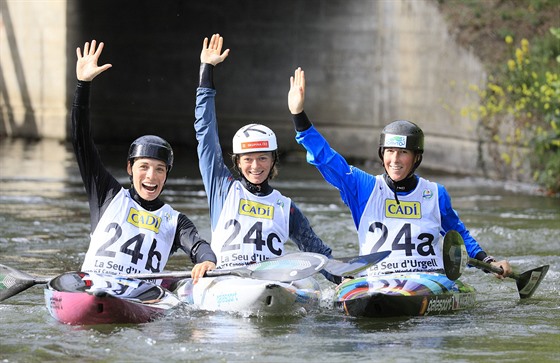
x,y
215,174
99,184
354,185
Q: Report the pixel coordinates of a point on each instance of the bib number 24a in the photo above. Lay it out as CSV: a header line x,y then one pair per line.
x,y
403,240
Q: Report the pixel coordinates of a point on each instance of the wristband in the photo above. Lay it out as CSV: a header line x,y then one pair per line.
x,y
206,76
301,121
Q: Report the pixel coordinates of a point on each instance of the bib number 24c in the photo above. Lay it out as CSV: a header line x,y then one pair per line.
x,y
253,236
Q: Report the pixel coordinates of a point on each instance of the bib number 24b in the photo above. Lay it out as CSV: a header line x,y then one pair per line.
x,y
132,247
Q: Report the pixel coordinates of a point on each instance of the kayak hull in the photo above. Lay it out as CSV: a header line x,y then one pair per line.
x,y
250,296
72,299
412,294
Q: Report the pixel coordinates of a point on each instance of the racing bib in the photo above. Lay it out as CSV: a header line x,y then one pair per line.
x,y
410,229
250,228
129,239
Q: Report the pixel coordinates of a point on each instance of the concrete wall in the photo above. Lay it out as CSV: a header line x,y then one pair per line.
x,y
367,62
33,69
432,77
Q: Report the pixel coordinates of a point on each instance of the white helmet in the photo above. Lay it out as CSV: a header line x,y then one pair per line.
x,y
254,138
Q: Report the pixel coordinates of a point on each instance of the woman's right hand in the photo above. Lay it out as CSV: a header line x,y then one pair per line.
x,y
212,53
86,66
296,95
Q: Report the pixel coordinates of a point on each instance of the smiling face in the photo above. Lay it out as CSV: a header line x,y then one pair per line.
x,y
398,162
148,177
256,167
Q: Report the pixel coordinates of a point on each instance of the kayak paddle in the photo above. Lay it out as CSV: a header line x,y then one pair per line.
x,y
348,266
13,281
287,268
455,258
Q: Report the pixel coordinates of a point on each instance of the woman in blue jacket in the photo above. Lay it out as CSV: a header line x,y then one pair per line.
x,y
398,210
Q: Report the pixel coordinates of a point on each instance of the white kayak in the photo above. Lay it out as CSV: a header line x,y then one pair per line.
x,y
251,297
281,286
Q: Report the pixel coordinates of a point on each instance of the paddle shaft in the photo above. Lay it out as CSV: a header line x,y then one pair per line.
x,y
289,268
338,267
179,274
487,266
294,266
13,282
455,258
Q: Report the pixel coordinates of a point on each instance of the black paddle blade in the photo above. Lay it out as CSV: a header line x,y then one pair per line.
x,y
12,282
288,268
349,266
455,255
528,281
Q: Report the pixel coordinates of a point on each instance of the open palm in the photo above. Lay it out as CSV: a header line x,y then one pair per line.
x,y
86,66
212,52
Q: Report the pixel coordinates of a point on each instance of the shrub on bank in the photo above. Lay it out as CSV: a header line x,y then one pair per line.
x,y
519,110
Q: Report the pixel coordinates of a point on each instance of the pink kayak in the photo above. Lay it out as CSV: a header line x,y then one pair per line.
x,y
79,298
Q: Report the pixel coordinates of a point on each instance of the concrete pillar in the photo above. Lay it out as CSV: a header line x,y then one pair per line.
x,y
33,69
433,75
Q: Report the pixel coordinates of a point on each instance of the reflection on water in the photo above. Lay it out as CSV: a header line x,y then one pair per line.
x,y
44,224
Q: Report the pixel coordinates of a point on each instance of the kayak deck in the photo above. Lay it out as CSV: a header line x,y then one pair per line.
x,y
250,296
411,294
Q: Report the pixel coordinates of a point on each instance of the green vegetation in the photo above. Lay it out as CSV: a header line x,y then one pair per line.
x,y
520,111
519,106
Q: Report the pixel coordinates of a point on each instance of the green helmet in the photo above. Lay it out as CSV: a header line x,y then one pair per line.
x,y
401,134
150,146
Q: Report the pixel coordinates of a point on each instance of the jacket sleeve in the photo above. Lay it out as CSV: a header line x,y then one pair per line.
x,y
216,176
188,240
450,221
355,186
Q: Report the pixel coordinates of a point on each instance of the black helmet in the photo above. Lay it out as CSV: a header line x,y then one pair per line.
x,y
150,146
402,134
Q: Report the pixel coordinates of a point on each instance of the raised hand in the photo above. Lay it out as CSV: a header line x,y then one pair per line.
x,y
212,53
86,66
296,95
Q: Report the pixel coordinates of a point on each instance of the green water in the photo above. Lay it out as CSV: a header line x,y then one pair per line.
x,y
44,227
